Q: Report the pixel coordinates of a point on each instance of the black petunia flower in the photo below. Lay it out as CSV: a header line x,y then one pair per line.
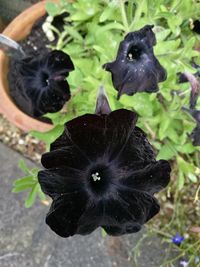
x,y
136,68
102,172
38,85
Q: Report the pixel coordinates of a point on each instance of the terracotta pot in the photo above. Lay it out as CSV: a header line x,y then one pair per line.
x,y
18,29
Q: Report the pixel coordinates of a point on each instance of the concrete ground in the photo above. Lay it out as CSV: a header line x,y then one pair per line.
x,y
26,241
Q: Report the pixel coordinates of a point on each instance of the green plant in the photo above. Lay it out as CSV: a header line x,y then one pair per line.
x,y
91,37
28,183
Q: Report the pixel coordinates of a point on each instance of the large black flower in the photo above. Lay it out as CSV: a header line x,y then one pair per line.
x,y
102,172
136,69
38,84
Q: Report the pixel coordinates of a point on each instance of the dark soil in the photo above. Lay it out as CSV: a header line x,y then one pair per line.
x,y
36,41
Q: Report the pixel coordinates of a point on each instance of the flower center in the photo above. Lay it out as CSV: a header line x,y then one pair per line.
x,y
99,180
44,79
96,177
133,53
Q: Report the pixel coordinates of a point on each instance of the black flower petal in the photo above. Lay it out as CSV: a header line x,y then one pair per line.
x,y
65,212
152,183
195,135
196,26
60,181
136,69
39,85
102,172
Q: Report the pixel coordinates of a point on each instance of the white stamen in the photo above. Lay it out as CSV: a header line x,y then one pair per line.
x,y
130,56
96,177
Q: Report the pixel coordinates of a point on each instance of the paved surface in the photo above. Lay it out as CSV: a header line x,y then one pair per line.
x,y
25,240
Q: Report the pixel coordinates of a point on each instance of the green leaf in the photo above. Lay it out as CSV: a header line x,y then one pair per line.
x,y
166,15
106,14
162,34
50,136
103,233
80,16
24,180
52,9
109,26
172,134
174,23
142,8
23,187
166,152
186,148
41,194
184,166
23,167
31,196
167,47
181,180
164,125
139,102
188,47
75,34
192,177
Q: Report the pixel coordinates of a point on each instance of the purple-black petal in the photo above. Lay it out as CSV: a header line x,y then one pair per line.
x,y
196,27
101,135
120,124
65,213
91,218
141,203
87,133
68,156
56,182
136,154
152,178
195,135
58,61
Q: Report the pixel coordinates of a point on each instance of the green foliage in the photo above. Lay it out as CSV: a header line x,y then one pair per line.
x,y
28,183
91,37
92,33
51,135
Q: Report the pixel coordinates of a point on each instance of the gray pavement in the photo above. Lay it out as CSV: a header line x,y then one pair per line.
x,y
25,239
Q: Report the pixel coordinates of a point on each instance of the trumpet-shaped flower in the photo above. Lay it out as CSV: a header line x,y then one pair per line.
x,y
102,172
136,69
39,85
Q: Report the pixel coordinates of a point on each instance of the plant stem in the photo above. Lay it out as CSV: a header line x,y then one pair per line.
x,y
162,233
196,198
124,17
